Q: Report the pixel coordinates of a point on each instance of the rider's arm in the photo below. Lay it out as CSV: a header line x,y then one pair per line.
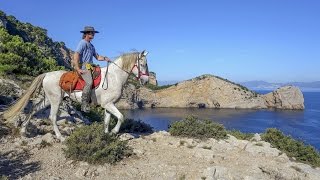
x,y
77,55
102,58
76,59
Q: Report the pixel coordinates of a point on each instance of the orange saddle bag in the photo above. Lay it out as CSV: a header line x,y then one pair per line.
x,y
68,81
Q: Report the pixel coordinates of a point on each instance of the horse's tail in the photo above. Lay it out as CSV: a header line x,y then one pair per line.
x,y
15,109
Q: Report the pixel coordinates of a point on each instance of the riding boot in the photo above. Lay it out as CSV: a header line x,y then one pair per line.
x,y
85,107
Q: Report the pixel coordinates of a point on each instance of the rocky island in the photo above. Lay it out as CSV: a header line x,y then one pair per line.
x,y
208,91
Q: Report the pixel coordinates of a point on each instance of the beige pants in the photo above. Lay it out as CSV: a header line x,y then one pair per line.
x,y
86,93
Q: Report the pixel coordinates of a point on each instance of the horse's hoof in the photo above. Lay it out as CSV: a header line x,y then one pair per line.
x,y
62,139
23,133
113,131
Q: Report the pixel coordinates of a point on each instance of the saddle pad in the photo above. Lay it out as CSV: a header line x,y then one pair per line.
x,y
96,80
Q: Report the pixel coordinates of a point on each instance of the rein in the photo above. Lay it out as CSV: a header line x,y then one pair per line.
x,y
135,65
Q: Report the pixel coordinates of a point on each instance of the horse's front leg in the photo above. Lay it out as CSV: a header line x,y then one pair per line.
x,y
106,121
113,110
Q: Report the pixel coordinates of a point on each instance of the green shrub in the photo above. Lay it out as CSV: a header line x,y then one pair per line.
x,y
91,144
132,80
27,50
195,128
240,135
132,126
293,148
96,114
154,87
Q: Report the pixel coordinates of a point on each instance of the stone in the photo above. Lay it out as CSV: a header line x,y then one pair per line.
x,y
283,158
256,137
49,138
261,150
126,136
81,172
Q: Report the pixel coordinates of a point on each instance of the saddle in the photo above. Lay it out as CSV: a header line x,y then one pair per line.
x,y
72,81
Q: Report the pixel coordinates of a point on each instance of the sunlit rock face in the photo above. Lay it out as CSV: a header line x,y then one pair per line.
x,y
153,79
209,91
287,97
3,22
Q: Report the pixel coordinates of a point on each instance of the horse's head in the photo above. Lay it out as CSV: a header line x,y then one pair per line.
x,y
140,69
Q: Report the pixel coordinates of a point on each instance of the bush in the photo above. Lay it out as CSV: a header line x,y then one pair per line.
x,y
293,148
91,144
154,87
96,114
195,128
132,126
240,135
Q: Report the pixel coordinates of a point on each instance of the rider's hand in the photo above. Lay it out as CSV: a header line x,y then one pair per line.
x,y
107,59
80,71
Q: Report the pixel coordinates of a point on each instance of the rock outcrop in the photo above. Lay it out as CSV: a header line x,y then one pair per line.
x,y
3,22
9,91
209,91
153,79
287,97
128,99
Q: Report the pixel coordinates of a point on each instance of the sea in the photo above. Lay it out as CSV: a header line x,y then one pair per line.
x,y
303,125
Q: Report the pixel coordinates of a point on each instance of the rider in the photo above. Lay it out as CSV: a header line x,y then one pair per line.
x,y
82,63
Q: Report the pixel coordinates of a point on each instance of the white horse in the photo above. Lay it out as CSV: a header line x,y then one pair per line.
x,y
116,77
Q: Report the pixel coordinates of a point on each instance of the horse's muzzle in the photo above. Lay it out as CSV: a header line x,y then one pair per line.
x,y
144,79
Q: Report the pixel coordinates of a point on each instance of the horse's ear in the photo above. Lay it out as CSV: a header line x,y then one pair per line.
x,y
145,53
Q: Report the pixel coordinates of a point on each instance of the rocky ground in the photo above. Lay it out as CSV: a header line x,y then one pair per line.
x,y
157,156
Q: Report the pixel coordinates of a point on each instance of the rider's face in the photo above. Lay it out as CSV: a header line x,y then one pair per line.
x,y
90,35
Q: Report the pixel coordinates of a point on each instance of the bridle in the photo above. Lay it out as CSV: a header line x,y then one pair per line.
x,y
140,73
136,65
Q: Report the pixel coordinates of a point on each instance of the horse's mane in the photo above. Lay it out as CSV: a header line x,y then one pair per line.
x,y
128,60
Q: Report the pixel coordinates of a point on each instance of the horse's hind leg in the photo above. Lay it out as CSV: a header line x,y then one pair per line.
x,y
113,110
54,94
25,124
40,105
55,97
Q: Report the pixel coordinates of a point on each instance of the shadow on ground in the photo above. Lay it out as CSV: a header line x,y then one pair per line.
x,y
14,164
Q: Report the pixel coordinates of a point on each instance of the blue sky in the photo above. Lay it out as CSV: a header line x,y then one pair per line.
x,y
271,40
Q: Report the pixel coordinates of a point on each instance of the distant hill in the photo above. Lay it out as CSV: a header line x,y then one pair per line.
x,y
27,50
263,85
